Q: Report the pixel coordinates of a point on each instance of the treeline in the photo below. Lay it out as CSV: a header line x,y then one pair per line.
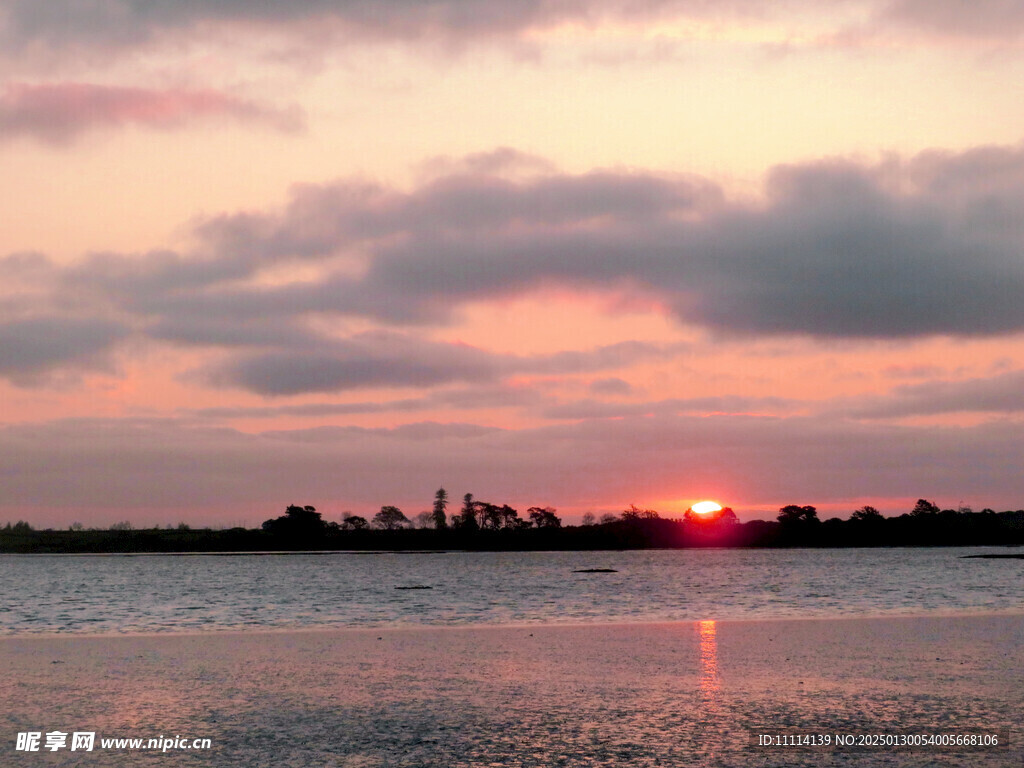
x,y
478,525
473,516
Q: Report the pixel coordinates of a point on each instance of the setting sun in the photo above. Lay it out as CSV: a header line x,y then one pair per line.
x,y
706,507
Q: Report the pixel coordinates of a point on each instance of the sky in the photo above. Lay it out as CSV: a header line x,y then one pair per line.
x,y
573,254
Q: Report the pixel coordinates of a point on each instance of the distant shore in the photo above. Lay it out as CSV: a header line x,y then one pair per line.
x,y
638,694
942,529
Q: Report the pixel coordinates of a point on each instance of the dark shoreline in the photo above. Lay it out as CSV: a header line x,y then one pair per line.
x,y
1003,529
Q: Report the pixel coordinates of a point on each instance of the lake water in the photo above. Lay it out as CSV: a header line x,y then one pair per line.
x,y
164,593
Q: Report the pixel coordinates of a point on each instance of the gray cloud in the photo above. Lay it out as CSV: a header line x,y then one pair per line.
x,y
465,398
69,25
906,248
57,113
415,431
612,385
230,333
32,347
610,356
306,410
996,19
486,397
127,23
928,246
323,220
913,371
25,265
384,359
997,394
723,404
369,360
505,396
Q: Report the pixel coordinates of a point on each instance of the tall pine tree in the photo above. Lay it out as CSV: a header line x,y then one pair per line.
x,y
440,505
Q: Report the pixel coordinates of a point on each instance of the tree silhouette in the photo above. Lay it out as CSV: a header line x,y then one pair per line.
x,y
488,515
632,513
492,517
354,523
390,518
440,505
513,520
793,514
924,507
588,519
301,527
509,519
866,514
544,517
296,521
466,520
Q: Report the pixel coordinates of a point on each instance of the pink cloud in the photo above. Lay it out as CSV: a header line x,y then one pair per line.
x,y
59,112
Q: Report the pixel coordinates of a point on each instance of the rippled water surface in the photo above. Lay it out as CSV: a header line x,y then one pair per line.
x,y
163,593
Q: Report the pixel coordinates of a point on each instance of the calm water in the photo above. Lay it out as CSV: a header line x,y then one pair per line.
x,y
160,593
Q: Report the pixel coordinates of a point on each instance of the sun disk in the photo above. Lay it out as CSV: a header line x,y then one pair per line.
x,y
705,507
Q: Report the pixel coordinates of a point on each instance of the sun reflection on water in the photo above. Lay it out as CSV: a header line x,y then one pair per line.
x,y
709,680
710,723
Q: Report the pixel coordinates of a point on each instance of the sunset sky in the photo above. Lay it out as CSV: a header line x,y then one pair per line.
x,y
578,254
